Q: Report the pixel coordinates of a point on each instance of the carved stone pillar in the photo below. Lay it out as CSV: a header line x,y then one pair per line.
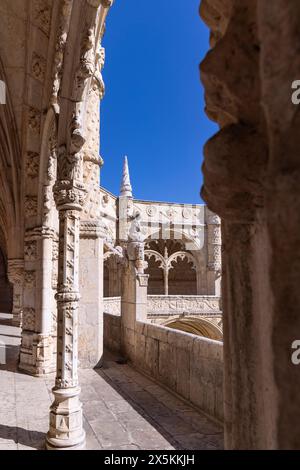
x,y
214,247
15,273
80,75
66,431
134,296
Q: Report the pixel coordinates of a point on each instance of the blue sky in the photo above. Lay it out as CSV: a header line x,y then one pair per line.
x,y
153,109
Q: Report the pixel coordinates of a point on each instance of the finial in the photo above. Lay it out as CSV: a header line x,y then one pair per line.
x,y
126,189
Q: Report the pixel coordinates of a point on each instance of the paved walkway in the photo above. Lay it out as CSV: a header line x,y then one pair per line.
x,y
122,408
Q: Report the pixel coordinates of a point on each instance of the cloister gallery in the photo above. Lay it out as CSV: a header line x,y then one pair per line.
x,y
127,294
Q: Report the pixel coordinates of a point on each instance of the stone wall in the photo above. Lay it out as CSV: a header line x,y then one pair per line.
x,y
112,332
189,365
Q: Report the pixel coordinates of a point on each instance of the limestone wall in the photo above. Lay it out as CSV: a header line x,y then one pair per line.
x,y
112,332
189,365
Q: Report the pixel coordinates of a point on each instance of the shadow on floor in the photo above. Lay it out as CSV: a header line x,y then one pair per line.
x,y
9,358
33,439
178,423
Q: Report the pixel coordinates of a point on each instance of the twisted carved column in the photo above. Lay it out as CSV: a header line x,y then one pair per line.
x,y
66,429
15,273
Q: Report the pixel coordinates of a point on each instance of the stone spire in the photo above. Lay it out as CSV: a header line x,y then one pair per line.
x,y
126,189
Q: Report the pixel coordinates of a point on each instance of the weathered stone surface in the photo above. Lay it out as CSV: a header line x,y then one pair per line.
x,y
251,179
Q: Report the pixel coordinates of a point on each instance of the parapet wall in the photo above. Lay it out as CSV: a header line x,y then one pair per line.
x,y
189,365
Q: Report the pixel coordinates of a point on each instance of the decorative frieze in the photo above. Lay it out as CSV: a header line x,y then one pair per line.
x,y
179,304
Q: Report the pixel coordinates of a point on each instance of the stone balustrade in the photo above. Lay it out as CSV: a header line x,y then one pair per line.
x,y
167,305
189,365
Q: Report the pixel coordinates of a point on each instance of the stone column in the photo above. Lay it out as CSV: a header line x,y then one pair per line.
x,y
214,246
66,430
235,165
166,272
91,287
15,274
134,296
43,340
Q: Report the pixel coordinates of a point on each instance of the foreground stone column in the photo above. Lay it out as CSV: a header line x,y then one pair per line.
x,y
15,274
234,171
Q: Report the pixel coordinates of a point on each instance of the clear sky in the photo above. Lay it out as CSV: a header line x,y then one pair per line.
x,y
153,109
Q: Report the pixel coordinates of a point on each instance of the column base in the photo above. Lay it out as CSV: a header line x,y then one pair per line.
x,y
57,444
36,354
66,431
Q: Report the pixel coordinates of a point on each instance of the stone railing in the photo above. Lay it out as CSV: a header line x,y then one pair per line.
x,y
189,304
166,305
189,365
112,305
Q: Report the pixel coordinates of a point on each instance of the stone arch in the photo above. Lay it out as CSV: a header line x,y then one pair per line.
x,y
196,326
40,310
182,273
169,265
155,269
10,177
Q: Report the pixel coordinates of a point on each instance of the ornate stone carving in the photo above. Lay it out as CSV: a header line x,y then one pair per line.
x,y
178,304
186,213
29,279
29,319
42,15
38,67
112,305
30,250
65,14
30,206
32,164
87,63
34,120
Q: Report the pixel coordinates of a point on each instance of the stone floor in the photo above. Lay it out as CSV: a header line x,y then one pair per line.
x,y
122,408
